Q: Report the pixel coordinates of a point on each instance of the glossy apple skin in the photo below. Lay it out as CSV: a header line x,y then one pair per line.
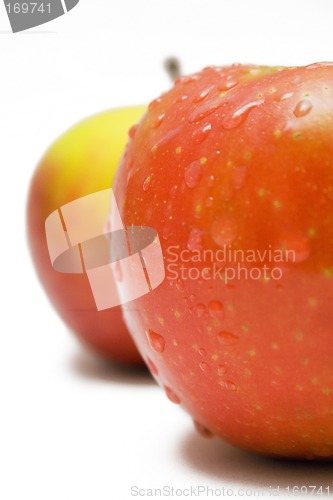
x,y
82,161
241,156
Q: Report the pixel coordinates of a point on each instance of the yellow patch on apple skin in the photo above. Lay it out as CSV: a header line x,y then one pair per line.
x,y
299,336
312,302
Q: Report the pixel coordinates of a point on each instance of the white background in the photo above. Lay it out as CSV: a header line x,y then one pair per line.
x,y
73,428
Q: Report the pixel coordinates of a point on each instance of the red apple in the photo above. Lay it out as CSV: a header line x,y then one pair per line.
x,y
240,159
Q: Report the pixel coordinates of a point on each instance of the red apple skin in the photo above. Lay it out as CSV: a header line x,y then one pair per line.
x,y
241,156
81,162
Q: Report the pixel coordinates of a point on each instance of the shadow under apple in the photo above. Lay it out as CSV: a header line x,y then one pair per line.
x,y
88,365
221,461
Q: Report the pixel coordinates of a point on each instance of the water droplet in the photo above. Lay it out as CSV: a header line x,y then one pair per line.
x,y
205,110
319,65
302,108
147,183
240,115
200,134
211,180
154,103
203,94
167,138
224,231
173,192
205,367
284,96
157,342
156,122
296,249
215,309
117,271
227,338
152,367
201,309
181,98
230,385
185,80
195,239
171,395
202,430
221,370
132,131
202,351
227,84
209,201
193,174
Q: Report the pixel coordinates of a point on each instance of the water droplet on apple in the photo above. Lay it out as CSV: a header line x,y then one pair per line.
x,y
215,309
156,122
203,94
240,115
185,80
181,98
193,174
202,430
168,137
173,192
202,352
297,249
147,183
284,96
152,367
154,103
201,309
171,395
319,65
200,134
227,338
230,385
209,201
205,367
302,108
227,84
132,131
156,341
201,112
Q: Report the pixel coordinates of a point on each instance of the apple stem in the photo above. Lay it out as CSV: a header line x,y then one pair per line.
x,y
172,67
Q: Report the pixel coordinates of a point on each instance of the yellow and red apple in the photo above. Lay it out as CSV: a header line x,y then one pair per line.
x,y
81,162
